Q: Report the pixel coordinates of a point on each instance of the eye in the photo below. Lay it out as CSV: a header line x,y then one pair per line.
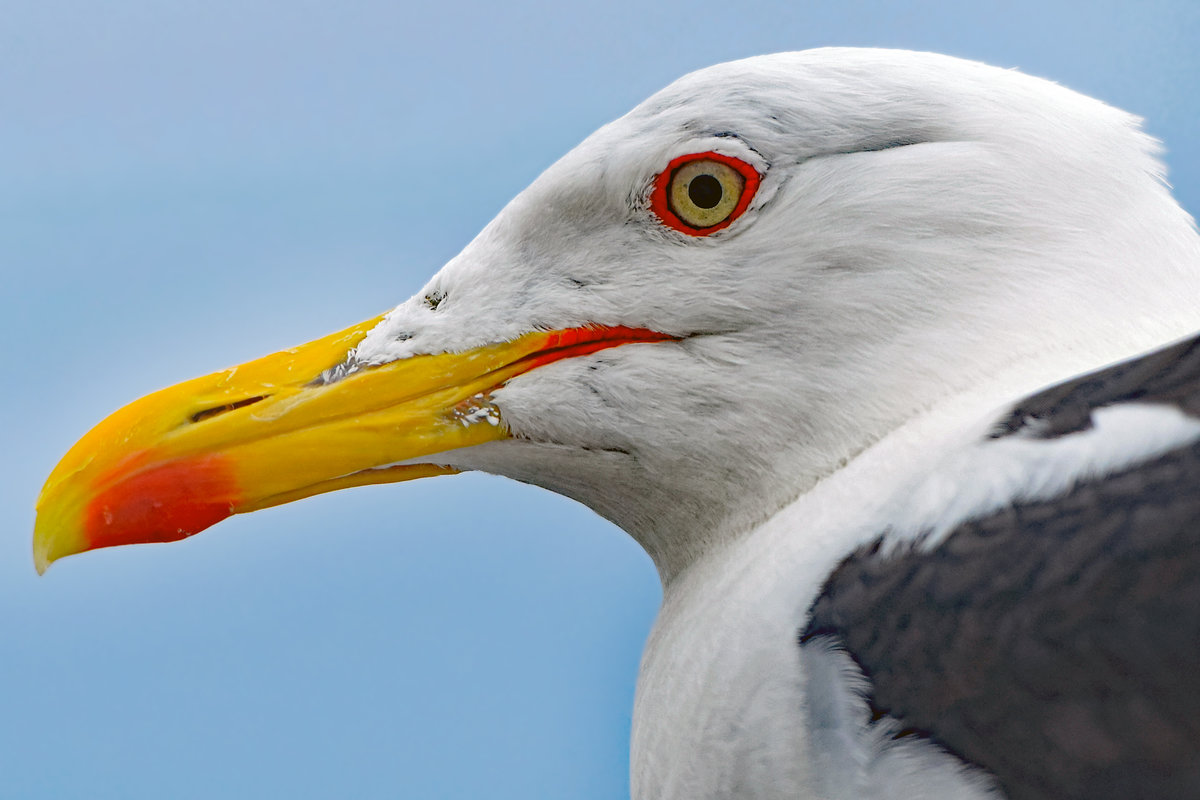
x,y
703,192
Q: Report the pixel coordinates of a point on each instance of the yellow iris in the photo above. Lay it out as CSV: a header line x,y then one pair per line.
x,y
704,192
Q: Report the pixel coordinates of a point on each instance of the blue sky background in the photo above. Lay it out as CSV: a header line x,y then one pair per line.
x,y
186,185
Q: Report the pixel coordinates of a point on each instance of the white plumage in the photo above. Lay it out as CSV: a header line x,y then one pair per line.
x,y
931,241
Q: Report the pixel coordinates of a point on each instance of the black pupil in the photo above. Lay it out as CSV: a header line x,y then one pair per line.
x,y
705,191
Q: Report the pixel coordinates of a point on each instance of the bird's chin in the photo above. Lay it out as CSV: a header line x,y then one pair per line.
x,y
284,427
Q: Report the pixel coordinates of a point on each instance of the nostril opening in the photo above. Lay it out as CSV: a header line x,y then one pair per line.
x,y
217,411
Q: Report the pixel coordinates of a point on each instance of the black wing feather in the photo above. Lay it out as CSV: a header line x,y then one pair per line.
x,y
1054,643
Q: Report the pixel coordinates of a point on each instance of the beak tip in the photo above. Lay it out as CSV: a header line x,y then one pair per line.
x,y
41,562
52,540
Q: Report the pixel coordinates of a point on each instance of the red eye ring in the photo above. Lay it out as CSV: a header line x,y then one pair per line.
x,y
661,207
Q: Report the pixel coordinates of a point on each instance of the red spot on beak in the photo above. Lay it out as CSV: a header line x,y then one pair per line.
x,y
164,503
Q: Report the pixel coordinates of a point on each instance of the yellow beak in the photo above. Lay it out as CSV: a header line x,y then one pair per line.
x,y
268,432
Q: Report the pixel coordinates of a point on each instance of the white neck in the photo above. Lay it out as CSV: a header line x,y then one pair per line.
x,y
722,667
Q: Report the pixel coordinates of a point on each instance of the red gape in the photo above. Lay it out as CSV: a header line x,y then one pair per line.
x,y
582,341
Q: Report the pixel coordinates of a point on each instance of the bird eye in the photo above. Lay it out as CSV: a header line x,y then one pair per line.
x,y
704,192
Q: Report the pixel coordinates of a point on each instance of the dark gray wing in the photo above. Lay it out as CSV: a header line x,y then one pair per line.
x,y
1054,643
1170,376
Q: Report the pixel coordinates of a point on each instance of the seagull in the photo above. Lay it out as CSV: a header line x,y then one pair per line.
x,y
887,359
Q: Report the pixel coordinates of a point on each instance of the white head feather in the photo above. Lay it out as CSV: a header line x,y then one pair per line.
x,y
923,223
